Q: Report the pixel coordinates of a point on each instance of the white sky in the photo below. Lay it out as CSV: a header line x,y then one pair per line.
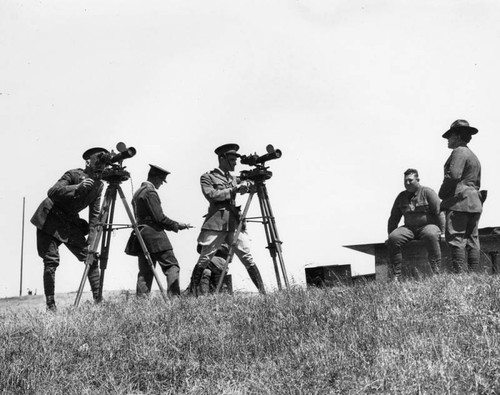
x,y
353,93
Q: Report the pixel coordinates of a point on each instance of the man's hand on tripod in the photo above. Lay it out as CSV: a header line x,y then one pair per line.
x,y
185,226
241,188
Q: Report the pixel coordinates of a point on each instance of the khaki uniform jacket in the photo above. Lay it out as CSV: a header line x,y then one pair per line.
x,y
151,220
58,216
222,214
462,180
418,209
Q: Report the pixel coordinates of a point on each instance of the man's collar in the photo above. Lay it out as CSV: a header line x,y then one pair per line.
x,y
222,172
149,183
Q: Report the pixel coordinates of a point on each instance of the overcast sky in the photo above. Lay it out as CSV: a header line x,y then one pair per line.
x,y
353,93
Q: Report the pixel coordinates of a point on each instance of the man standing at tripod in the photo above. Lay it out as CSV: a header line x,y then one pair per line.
x,y
152,223
220,188
57,221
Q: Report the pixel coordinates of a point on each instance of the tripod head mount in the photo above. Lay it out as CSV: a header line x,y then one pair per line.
x,y
259,174
115,174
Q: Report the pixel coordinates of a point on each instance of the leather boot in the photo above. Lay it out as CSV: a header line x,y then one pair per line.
x,y
254,273
473,260
95,283
458,260
204,288
435,266
51,303
196,279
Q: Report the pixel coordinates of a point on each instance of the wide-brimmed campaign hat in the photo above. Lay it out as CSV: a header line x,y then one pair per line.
x,y
231,149
460,125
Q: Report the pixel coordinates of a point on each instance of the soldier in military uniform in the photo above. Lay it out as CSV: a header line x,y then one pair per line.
x,y
420,207
211,275
57,221
153,223
220,188
462,201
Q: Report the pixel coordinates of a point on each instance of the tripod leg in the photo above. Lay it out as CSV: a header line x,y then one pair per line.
x,y
142,243
94,243
106,240
274,243
229,259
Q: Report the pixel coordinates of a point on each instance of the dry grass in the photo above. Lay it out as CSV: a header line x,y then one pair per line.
x,y
437,336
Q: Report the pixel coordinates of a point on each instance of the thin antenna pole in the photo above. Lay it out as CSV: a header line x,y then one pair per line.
x,y
22,252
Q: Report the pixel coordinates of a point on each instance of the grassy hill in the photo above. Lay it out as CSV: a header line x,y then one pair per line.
x,y
436,336
64,300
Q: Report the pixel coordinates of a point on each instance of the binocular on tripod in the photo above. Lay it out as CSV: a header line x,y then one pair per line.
x,y
108,165
261,172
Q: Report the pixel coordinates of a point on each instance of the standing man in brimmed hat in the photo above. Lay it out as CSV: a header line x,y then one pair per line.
x,y
220,187
58,222
153,223
462,201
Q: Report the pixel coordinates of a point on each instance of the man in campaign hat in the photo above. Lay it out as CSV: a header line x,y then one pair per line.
x,y
220,187
57,221
462,201
153,223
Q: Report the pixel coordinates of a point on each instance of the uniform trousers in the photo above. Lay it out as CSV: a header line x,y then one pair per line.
x,y
169,266
429,234
211,240
48,250
462,235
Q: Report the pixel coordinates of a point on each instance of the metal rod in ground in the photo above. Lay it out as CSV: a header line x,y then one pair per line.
x,y
22,251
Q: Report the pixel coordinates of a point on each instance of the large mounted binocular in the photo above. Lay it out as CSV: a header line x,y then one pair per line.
x,y
109,164
255,160
108,158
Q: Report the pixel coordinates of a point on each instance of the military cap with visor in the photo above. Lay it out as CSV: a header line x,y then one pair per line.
x,y
228,149
92,151
158,171
460,126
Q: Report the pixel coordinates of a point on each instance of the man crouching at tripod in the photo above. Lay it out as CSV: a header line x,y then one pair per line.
x,y
220,188
58,222
153,223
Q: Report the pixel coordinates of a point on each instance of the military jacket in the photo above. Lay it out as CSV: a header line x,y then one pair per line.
x,y
462,180
58,214
418,209
222,214
151,219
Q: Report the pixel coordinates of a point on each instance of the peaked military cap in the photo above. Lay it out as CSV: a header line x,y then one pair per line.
x,y
92,151
158,171
460,125
227,149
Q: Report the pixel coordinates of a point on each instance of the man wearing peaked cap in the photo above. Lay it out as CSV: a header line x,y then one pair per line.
x,y
228,149
92,151
153,223
462,201
158,171
57,221
220,187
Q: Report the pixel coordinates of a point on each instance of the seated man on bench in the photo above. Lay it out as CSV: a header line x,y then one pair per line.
x,y
420,207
